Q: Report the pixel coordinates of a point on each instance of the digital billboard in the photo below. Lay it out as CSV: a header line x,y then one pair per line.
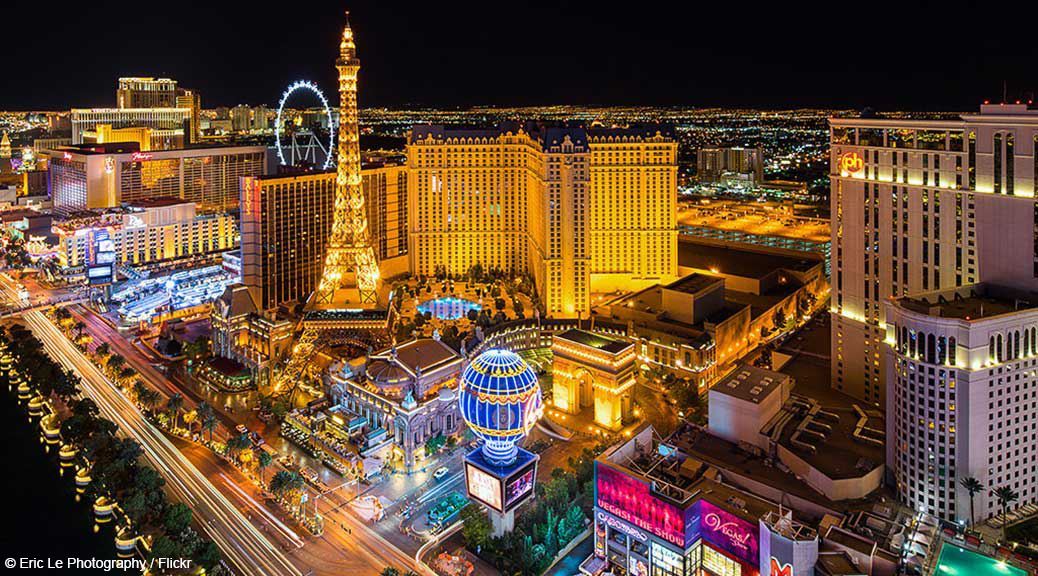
x,y
631,500
519,486
483,487
729,532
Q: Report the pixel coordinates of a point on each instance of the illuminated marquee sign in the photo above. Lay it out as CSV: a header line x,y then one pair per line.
x,y
615,524
140,156
729,532
851,163
780,569
631,501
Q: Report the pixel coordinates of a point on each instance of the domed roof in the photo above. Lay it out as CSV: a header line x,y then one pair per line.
x,y
383,373
500,400
499,373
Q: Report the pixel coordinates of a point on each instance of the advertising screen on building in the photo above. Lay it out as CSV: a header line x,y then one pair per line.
x,y
519,486
729,532
631,500
483,487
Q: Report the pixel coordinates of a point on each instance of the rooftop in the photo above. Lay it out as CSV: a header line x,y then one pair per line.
x,y
157,202
596,341
973,302
746,263
423,354
750,383
693,283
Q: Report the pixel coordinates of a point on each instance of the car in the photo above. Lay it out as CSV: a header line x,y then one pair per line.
x,y
441,473
241,428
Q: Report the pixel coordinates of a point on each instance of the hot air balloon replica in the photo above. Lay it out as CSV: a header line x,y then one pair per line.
x,y
500,400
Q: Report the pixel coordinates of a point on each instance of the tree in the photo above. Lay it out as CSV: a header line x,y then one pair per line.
x,y
148,398
78,326
177,518
207,555
973,487
238,443
472,314
1005,496
287,486
103,349
173,406
499,303
475,526
779,319
116,362
263,460
389,571
206,417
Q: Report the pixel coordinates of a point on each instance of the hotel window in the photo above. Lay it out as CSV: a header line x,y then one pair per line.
x,y
997,151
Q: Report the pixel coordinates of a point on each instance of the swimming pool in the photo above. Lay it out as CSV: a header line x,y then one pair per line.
x,y
448,307
958,561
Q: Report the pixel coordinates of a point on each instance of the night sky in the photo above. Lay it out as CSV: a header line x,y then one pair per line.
x,y
897,55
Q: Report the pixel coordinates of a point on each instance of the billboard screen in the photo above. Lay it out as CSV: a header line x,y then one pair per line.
x,y
519,486
631,500
483,487
729,532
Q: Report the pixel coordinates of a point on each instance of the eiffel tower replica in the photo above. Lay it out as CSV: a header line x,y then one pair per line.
x,y
346,299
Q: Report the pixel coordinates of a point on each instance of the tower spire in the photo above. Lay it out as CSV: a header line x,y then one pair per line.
x,y
347,49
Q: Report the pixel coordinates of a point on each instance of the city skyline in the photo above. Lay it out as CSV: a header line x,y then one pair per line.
x,y
461,55
657,339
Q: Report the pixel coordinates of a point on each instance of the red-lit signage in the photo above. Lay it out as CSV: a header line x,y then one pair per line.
x,y
779,569
66,156
851,163
140,156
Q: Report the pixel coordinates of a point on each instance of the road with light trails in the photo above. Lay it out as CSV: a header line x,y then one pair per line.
x,y
348,545
245,549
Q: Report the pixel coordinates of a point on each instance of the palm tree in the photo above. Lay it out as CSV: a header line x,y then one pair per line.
x,y
974,487
148,398
206,417
173,406
116,362
79,326
287,486
263,459
389,571
103,349
1005,496
238,443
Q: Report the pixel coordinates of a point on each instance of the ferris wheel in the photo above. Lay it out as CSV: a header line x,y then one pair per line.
x,y
304,145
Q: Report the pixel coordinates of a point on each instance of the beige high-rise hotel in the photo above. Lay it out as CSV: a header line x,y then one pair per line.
x,y
582,210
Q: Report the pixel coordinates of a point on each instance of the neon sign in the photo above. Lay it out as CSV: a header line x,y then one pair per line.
x,y
140,156
620,526
779,569
851,163
66,156
728,531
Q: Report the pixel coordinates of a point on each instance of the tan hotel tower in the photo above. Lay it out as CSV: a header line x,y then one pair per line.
x,y
582,210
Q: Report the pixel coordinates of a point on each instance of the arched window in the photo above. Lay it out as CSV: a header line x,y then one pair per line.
x,y
942,349
1016,344
953,352
991,348
904,339
931,352
1027,343
911,344
998,348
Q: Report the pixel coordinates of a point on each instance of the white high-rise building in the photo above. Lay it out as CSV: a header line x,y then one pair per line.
x,y
935,283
